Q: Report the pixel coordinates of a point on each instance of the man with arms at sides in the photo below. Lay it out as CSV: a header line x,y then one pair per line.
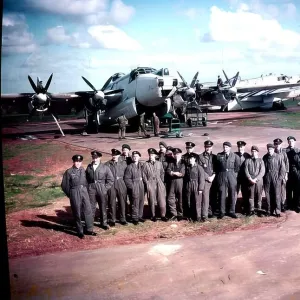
x,y
189,146
254,171
135,187
100,180
74,185
119,189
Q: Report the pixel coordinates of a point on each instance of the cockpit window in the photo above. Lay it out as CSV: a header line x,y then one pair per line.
x,y
159,72
166,72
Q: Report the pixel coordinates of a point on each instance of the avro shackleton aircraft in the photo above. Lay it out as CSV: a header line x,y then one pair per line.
x,y
240,96
143,90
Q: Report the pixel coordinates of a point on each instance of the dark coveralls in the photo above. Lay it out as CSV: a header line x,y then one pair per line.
x,y
207,161
254,168
135,186
142,126
74,186
284,181
122,121
100,181
227,168
128,161
297,193
275,172
242,181
156,125
194,182
174,185
153,177
291,185
118,190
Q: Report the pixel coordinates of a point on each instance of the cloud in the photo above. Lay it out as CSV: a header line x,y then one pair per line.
x,y
111,37
92,12
15,35
191,13
251,30
57,35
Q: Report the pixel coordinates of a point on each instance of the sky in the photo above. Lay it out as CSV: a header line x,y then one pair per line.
x,y
97,38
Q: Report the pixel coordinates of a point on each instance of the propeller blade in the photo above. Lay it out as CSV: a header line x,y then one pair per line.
x,y
238,102
174,89
194,80
227,80
48,83
235,79
184,82
33,84
89,84
113,92
106,83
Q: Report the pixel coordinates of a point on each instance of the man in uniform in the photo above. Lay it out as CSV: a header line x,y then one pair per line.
x,y
122,121
275,172
174,184
153,177
241,179
125,156
119,189
162,152
219,83
142,126
74,186
227,167
194,181
100,180
135,186
291,186
207,161
278,149
198,90
189,146
155,124
254,172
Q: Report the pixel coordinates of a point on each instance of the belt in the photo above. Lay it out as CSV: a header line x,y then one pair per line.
x,y
78,186
137,179
99,181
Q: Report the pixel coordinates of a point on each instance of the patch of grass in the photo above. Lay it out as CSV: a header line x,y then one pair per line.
x,y
48,177
44,195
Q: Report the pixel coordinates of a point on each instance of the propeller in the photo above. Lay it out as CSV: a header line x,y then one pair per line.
x,y
232,90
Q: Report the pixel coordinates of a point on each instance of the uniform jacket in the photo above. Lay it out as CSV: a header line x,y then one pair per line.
x,y
195,174
185,158
117,169
126,159
274,166
223,164
207,161
133,174
153,171
254,168
73,178
175,167
291,153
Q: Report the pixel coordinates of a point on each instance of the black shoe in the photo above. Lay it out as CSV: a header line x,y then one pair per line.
x,y
221,216
92,233
164,219
105,227
81,235
277,215
173,218
234,216
268,214
251,213
142,220
124,223
179,218
135,222
153,219
204,220
112,224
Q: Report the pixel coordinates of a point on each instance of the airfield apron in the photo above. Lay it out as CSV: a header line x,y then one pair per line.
x,y
117,191
100,181
153,177
275,172
74,185
135,186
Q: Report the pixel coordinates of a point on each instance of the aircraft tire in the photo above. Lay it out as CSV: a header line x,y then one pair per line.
x,y
204,123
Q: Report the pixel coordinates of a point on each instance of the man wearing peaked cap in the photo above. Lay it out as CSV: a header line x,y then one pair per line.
x,y
227,168
100,180
126,146
189,146
135,187
278,149
118,189
174,185
208,161
74,185
153,177
254,171
125,154
275,172
242,181
162,157
292,185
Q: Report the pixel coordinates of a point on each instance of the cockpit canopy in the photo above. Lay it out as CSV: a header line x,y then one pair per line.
x,y
117,76
163,72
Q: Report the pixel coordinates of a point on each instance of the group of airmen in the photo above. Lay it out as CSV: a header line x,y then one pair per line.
x,y
183,186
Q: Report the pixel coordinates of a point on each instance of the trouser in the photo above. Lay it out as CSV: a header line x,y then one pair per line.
x,y
242,184
101,199
292,190
137,198
156,129
117,193
214,205
205,200
156,193
174,199
255,195
142,129
272,191
227,183
283,192
122,132
192,200
79,201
